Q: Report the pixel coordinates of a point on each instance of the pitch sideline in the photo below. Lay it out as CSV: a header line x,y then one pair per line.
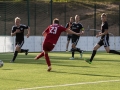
x,y
74,84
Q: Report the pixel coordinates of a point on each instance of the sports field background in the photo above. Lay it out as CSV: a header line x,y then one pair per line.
x,y
102,74
28,74
38,14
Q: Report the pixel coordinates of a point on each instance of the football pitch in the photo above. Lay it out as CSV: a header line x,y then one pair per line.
x,y
28,74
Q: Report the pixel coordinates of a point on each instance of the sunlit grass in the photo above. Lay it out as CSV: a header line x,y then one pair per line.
x,y
28,73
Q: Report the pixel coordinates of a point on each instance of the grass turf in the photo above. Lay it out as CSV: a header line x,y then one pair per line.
x,y
77,74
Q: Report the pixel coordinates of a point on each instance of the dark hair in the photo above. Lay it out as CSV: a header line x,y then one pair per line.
x,y
56,21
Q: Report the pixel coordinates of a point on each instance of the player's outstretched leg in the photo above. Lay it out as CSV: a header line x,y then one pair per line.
x,y
80,51
26,53
48,62
96,47
73,52
49,69
92,56
87,60
25,50
14,57
115,52
39,56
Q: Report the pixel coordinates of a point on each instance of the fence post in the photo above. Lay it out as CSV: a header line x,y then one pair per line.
x,y
28,12
35,19
65,14
119,20
5,17
51,10
94,19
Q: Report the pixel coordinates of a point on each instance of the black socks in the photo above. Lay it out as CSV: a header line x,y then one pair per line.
x,y
23,50
93,54
78,49
15,55
73,52
115,52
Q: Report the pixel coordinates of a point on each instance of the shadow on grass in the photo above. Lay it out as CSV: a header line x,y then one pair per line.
x,y
73,65
12,79
85,74
59,58
7,69
108,60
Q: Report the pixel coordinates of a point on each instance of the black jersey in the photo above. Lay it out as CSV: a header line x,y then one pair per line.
x,y
76,27
19,36
104,26
68,24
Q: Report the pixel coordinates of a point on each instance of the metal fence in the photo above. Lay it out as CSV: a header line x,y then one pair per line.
x,y
38,14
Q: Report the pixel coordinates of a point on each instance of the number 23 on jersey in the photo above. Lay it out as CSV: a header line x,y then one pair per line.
x,y
53,30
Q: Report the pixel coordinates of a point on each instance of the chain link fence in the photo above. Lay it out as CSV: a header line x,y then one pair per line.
x,y
38,14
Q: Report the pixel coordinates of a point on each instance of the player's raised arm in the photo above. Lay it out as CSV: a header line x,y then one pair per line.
x,y
45,31
44,34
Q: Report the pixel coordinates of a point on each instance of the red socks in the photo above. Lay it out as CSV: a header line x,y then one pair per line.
x,y
47,60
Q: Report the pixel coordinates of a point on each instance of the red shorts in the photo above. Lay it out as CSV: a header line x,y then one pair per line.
x,y
47,46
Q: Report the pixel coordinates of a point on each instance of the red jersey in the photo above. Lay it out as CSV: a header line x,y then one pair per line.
x,y
53,33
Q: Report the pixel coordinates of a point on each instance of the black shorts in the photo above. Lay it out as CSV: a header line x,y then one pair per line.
x,y
69,37
19,43
75,40
104,42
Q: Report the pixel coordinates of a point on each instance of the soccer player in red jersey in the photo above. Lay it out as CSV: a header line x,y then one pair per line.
x,y
52,34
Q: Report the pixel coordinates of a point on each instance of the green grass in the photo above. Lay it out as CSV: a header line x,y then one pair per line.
x,y
27,73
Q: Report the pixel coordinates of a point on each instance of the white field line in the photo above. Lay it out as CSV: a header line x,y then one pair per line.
x,y
74,84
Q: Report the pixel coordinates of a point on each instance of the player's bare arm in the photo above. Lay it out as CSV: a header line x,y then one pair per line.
x,y
82,32
71,32
45,31
13,34
17,31
44,34
101,34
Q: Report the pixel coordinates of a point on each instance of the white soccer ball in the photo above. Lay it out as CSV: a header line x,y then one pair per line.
x,y
1,63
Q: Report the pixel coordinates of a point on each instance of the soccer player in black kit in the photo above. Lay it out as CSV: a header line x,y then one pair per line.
x,y
18,30
104,39
78,28
69,36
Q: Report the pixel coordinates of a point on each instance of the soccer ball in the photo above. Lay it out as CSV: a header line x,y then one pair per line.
x,y
1,63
